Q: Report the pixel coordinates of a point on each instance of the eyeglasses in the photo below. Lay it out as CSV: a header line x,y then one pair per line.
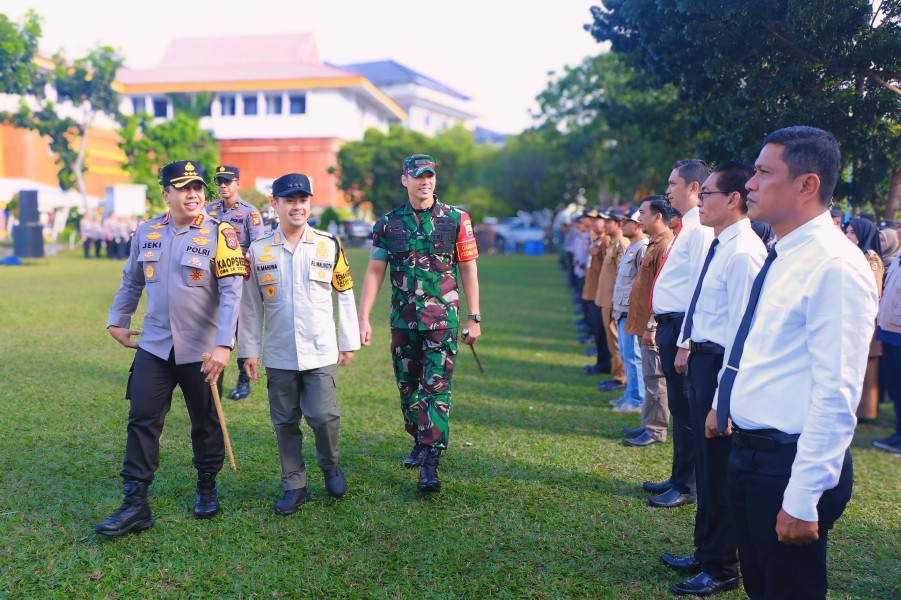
x,y
703,195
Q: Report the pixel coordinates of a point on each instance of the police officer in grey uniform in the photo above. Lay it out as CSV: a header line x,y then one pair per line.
x,y
248,224
192,268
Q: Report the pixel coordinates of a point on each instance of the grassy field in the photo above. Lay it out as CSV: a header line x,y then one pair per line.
x,y
539,497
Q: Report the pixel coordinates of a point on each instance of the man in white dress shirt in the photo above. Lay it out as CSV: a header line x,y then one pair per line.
x,y
713,316
293,272
794,372
670,296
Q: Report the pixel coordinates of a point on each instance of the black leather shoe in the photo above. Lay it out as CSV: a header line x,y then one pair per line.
x,y
133,515
632,432
428,471
242,388
415,458
671,499
703,584
206,506
291,501
591,370
656,488
335,483
689,564
611,386
645,439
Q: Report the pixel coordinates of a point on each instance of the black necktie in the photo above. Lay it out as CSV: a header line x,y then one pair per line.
x,y
694,298
738,346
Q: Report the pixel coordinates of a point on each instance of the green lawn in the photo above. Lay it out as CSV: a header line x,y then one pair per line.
x,y
539,498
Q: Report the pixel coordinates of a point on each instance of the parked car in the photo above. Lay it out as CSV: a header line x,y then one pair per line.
x,y
356,230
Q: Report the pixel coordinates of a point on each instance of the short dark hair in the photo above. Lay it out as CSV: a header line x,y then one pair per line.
x,y
659,205
692,169
810,150
734,174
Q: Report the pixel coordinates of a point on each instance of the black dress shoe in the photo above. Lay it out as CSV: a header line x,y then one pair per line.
x,y
632,432
335,483
291,501
656,488
415,457
672,499
703,584
689,564
645,439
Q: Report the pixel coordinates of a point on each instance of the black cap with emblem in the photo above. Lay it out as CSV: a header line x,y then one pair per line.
x,y
227,172
292,183
180,173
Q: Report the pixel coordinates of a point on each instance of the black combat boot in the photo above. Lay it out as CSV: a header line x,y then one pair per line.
x,y
415,458
242,388
207,504
133,515
428,471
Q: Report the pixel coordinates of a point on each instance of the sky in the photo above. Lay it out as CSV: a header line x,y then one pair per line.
x,y
498,52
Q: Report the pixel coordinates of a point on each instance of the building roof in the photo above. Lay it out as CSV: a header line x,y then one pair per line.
x,y
236,58
388,72
243,63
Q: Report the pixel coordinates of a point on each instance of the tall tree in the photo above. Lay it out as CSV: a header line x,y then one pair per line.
x,y
18,46
149,144
752,66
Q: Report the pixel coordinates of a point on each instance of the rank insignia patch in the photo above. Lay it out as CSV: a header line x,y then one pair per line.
x,y
201,241
267,278
154,236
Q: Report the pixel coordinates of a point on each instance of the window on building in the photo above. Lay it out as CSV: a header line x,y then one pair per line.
x,y
274,104
228,105
160,107
250,105
138,104
298,104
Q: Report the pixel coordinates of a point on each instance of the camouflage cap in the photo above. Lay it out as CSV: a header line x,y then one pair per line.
x,y
180,173
418,164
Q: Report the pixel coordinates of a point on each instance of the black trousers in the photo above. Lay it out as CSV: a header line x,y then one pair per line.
x,y
770,569
714,527
890,373
150,388
683,473
596,328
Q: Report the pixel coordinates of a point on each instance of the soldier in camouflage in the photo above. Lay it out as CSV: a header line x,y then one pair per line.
x,y
428,246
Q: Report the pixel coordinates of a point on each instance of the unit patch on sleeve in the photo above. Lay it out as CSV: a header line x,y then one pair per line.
x,y
229,259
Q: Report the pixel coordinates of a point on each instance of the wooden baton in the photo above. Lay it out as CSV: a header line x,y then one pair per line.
x,y
228,444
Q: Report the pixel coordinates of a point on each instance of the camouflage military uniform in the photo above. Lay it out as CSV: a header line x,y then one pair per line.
x,y
422,249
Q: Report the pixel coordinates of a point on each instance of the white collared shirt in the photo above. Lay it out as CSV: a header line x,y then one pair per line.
x,y
804,360
727,285
292,289
676,282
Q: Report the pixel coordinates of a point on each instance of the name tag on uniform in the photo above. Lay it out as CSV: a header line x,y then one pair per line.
x,y
321,271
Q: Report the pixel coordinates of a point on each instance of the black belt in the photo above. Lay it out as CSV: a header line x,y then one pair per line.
x,y
706,348
665,318
762,439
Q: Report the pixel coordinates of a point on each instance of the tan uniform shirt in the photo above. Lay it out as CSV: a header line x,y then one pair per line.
x,y
595,255
607,277
640,301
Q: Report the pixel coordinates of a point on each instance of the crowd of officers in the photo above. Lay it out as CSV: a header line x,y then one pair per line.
x,y
739,309
110,232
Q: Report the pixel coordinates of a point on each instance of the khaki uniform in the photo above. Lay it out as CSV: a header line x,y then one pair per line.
x,y
616,246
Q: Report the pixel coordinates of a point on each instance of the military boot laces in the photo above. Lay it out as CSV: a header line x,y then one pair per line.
x,y
207,504
415,457
428,471
133,515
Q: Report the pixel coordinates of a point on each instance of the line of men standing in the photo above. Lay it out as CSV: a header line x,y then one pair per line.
x,y
758,354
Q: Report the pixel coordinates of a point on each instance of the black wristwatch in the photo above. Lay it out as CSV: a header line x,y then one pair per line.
x,y
477,318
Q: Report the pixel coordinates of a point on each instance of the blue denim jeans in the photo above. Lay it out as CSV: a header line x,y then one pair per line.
x,y
631,353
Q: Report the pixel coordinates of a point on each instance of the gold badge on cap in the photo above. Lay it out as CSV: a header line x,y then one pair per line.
x,y
221,169
189,167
